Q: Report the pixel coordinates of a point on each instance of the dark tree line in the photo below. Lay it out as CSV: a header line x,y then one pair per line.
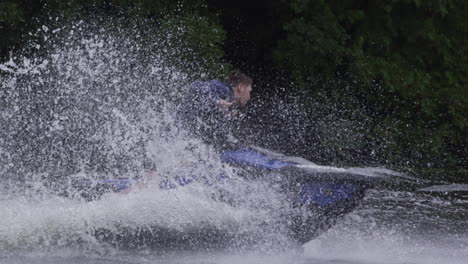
x,y
401,65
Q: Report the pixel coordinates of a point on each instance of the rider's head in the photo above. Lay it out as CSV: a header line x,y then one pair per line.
x,y
241,85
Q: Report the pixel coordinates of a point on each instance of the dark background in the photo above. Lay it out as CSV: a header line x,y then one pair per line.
x,y
359,82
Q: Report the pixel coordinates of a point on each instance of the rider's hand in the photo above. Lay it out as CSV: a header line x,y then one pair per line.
x,y
224,104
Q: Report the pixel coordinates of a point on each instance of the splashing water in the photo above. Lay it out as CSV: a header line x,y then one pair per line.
x,y
98,101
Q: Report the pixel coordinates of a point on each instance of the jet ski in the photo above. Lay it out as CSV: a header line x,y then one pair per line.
x,y
318,195
321,195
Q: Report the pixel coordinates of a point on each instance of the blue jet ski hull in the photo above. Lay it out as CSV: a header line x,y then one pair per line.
x,y
319,195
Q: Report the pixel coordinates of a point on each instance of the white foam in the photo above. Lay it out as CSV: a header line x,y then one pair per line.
x,y
446,188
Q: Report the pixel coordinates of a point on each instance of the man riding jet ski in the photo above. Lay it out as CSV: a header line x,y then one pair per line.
x,y
211,107
317,195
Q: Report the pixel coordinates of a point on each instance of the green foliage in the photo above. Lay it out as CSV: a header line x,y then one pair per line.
x,y
407,59
10,14
11,18
186,25
196,38
314,44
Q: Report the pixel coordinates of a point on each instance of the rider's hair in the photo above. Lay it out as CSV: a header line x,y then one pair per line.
x,y
236,77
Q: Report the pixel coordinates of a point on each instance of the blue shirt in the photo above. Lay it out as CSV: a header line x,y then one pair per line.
x,y
211,91
201,113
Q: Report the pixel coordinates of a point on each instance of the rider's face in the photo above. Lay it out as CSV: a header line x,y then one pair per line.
x,y
242,93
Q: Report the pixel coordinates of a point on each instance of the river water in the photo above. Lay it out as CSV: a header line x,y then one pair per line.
x,y
92,103
389,227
